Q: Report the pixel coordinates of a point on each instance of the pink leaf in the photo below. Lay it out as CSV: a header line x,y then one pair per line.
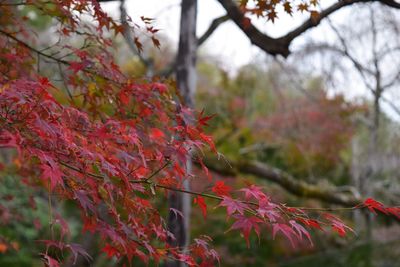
x,y
232,206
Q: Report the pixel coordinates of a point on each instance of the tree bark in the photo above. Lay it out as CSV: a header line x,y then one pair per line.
x,y
186,82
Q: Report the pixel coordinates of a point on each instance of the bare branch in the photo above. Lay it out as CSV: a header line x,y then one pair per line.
x,y
127,33
213,26
263,41
280,46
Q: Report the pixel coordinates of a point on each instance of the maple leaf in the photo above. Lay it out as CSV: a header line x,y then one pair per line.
x,y
311,223
64,229
221,189
286,230
374,206
253,191
84,201
268,210
205,169
53,174
288,8
8,140
272,15
110,251
124,97
157,134
199,200
395,211
89,224
302,7
232,206
138,44
208,139
146,20
156,42
246,224
49,261
203,120
301,231
176,212
337,225
44,81
162,88
77,66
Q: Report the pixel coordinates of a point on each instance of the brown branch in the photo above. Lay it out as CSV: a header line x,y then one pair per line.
x,y
263,41
280,46
285,180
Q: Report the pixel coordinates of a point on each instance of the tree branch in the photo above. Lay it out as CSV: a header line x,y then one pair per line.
x,y
127,34
52,57
263,41
349,205
280,46
285,180
213,26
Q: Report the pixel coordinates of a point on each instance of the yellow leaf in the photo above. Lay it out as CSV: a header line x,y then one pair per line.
x,y
92,88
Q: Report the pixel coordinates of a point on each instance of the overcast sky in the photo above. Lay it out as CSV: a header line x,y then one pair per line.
x,y
228,43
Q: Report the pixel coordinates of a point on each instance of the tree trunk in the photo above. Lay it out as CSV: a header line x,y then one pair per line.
x,y
186,82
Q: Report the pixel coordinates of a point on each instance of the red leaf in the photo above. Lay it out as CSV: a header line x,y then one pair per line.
x,y
110,251
337,225
49,261
232,206
253,191
7,139
124,97
395,211
285,230
199,200
52,174
221,189
157,134
209,141
246,224
311,223
268,210
300,231
89,225
77,66
203,120
374,206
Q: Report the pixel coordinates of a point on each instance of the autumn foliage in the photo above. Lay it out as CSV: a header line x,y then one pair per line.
x,y
116,144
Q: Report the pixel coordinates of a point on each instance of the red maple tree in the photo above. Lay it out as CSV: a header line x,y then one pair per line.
x,y
117,142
